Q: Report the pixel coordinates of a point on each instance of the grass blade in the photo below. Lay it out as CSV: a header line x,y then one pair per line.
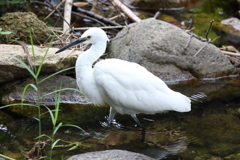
x,y
66,69
56,128
63,89
54,143
44,57
44,135
18,104
25,89
72,125
25,65
51,114
57,103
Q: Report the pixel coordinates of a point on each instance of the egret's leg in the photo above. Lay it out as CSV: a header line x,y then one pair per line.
x,y
136,120
112,113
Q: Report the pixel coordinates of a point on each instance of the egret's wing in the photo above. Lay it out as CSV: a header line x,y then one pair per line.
x,y
134,89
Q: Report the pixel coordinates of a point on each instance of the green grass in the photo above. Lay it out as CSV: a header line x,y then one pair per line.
x,y
54,114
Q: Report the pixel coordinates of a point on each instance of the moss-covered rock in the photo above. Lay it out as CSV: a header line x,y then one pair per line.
x,y
20,23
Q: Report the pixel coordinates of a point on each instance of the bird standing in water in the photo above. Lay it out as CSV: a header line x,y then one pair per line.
x,y
126,87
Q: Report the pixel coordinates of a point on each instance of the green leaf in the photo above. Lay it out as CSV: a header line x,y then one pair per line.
x,y
51,115
72,125
25,65
44,135
56,74
63,89
34,87
72,148
44,57
56,128
6,32
18,104
36,119
25,89
54,143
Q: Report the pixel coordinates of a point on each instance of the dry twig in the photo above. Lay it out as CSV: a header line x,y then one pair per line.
x,y
88,13
55,8
25,48
157,14
126,10
231,53
208,30
201,48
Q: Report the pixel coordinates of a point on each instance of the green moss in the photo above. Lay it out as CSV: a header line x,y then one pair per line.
x,y
20,23
223,149
215,132
167,18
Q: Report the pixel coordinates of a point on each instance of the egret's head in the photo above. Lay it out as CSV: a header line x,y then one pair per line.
x,y
92,35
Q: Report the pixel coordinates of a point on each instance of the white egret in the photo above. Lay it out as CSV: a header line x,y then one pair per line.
x,y
126,87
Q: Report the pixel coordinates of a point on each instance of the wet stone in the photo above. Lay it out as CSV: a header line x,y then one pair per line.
x,y
110,154
14,93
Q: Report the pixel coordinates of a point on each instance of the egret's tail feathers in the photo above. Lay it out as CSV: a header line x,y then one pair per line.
x,y
183,103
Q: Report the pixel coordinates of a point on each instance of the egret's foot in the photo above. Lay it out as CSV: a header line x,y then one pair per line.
x,y
136,120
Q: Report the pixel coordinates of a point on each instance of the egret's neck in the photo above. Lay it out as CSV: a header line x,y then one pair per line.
x,y
88,57
84,72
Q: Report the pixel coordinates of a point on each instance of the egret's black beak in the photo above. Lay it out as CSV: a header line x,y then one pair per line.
x,y
78,41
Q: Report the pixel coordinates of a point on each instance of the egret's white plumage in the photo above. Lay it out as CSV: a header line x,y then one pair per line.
x,y
127,87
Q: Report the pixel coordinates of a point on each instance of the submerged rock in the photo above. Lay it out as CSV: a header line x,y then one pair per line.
x,y
161,48
216,133
15,92
110,154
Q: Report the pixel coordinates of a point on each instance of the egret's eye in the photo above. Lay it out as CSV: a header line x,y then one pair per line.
x,y
88,37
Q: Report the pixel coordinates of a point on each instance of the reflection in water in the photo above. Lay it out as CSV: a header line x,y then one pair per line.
x,y
164,151
199,97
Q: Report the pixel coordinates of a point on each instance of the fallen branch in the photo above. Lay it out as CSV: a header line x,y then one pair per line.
x,y
105,27
88,17
202,48
126,10
233,60
82,15
54,9
88,13
230,53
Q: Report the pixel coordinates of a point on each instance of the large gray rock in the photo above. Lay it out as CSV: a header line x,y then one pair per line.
x,y
14,92
159,46
11,69
110,155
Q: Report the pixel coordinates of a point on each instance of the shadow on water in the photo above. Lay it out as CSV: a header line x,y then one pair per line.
x,y
209,130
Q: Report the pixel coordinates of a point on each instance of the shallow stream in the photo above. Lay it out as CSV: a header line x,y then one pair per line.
x,y
210,130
